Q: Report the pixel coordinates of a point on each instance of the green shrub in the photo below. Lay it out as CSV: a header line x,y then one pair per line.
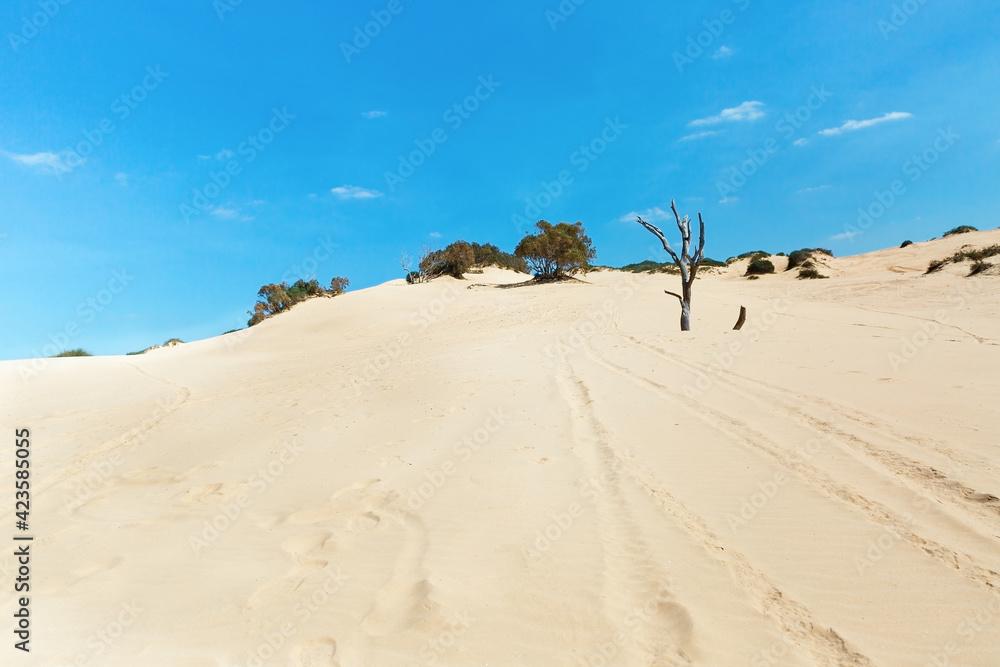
x,y
453,261
759,266
339,285
961,229
557,251
78,352
754,253
906,243
799,257
488,254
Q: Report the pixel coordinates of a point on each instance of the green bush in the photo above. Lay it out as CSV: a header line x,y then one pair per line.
x,y
759,266
799,257
557,251
339,285
961,229
78,352
453,261
490,255
906,243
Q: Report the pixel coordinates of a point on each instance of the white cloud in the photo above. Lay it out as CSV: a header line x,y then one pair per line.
x,y
701,135
46,162
225,213
375,114
257,202
800,142
122,179
722,53
354,192
224,154
745,111
854,125
654,214
816,189
729,200
204,157
434,235
846,236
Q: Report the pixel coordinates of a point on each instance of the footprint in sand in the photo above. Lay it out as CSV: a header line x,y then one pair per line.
x,y
315,653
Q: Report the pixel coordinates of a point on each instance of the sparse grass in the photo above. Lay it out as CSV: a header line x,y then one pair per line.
x,y
753,277
976,256
811,274
961,229
759,266
78,352
979,267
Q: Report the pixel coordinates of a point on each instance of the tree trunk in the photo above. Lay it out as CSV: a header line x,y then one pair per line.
x,y
686,305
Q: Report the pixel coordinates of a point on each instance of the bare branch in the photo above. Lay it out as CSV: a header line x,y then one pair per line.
x,y
653,229
679,297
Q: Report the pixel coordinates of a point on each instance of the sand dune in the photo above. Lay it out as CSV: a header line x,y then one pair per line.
x,y
454,474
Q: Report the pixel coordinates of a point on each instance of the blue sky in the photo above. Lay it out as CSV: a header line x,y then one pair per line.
x,y
160,161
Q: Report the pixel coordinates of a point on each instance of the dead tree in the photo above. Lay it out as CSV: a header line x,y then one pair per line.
x,y
687,263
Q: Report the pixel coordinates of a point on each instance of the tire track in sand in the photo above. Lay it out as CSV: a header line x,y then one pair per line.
x,y
744,434
982,508
791,617
631,578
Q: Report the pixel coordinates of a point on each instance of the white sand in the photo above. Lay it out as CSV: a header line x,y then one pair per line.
x,y
533,476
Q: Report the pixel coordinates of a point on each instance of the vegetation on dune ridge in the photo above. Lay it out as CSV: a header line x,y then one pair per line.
x,y
799,257
458,259
961,229
77,352
169,343
275,298
976,256
652,266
